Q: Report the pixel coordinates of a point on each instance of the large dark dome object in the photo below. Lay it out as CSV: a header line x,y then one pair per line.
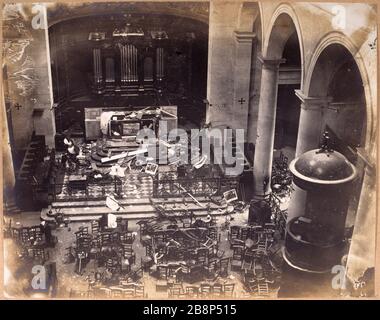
x,y
323,166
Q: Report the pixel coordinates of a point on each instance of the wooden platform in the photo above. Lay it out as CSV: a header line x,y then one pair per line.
x,y
133,208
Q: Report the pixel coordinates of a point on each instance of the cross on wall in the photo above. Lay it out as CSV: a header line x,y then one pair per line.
x,y
241,101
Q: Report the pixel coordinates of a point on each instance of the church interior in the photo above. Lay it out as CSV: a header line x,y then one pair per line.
x,y
189,150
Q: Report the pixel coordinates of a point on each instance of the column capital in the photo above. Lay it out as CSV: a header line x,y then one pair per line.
x,y
312,102
244,36
273,64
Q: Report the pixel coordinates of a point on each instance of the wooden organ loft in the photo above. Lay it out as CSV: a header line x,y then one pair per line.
x,y
129,63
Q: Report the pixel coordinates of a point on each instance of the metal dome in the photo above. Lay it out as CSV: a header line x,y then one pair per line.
x,y
323,166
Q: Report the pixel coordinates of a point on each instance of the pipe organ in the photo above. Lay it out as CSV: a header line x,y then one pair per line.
x,y
132,64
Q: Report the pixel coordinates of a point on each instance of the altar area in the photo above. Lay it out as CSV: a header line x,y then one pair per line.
x,y
112,163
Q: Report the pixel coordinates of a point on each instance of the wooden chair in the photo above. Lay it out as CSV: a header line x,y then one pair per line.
x,y
261,289
146,240
211,246
234,233
105,238
113,265
122,224
228,289
117,293
149,251
39,254
115,237
96,241
217,290
128,237
173,269
159,236
184,272
180,255
244,233
129,255
81,232
143,227
24,236
213,233
162,271
176,292
213,221
95,226
213,264
223,266
202,255
249,255
237,258
192,291
146,263
129,292
206,289
139,291
247,265
186,222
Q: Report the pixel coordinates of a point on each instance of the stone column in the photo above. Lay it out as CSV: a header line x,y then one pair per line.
x,y
362,251
309,135
44,118
220,75
29,75
8,174
242,76
262,166
310,123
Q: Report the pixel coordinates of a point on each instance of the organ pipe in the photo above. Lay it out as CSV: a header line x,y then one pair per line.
x,y
129,71
160,63
98,76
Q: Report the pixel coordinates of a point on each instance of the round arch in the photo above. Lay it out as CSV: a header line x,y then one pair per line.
x,y
338,38
59,13
248,13
262,22
272,47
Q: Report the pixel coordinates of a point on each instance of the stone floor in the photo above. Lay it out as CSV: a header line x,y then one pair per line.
x,y
18,273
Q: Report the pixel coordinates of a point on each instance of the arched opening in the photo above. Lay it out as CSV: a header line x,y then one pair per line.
x,y
337,78
288,105
284,44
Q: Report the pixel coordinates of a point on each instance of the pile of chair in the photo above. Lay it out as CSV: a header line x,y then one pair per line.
x,y
32,243
181,251
251,258
112,249
204,290
279,216
281,182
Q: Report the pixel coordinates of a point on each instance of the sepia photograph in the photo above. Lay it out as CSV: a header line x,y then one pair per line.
x,y
189,150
